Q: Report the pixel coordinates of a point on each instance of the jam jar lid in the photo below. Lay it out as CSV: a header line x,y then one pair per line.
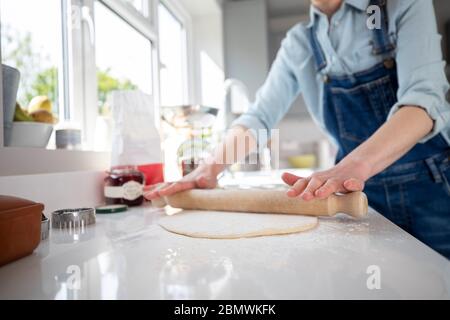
x,y
124,169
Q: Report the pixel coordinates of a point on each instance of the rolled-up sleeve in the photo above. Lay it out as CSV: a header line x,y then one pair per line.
x,y
421,76
275,97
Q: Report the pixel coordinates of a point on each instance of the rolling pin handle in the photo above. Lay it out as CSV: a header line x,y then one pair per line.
x,y
354,204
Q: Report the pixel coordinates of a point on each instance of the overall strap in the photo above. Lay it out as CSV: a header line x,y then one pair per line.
x,y
319,55
382,42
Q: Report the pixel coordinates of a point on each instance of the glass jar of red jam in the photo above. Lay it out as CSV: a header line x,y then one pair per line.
x,y
124,185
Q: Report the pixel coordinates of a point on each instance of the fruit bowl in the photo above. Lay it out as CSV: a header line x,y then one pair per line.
x,y
30,134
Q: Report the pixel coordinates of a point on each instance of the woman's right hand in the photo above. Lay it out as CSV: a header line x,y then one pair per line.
x,y
203,177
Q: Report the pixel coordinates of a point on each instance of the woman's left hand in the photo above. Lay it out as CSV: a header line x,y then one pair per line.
x,y
346,176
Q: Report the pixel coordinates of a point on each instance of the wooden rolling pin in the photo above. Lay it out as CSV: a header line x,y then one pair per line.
x,y
265,201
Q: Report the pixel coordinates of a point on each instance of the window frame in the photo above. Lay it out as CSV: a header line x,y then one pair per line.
x,y
80,86
86,93
181,14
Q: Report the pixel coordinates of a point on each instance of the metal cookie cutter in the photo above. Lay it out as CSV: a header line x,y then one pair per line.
x,y
73,219
45,227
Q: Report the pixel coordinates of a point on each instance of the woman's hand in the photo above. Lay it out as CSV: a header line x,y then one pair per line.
x,y
203,177
347,176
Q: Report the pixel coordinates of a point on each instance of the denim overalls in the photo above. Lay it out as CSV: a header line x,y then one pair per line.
x,y
414,192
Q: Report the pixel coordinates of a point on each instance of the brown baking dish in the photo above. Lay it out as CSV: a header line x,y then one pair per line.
x,y
20,227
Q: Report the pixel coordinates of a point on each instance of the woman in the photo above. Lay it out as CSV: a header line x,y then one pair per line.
x,y
380,94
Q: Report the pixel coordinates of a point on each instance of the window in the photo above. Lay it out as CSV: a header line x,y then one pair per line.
x,y
141,6
31,37
123,56
172,51
77,52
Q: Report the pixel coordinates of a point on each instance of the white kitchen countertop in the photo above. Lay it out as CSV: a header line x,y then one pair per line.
x,y
128,256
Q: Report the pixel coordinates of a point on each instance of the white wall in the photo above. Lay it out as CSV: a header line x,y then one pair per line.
x,y
246,43
208,40
57,191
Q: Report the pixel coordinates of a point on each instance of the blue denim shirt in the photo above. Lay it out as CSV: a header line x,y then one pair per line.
x,y
346,41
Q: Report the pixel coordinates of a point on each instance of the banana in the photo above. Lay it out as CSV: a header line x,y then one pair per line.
x,y
21,115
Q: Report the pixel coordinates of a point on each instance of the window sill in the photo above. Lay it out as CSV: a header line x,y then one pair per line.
x,y
25,161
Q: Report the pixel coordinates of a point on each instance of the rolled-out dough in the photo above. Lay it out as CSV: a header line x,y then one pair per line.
x,y
233,225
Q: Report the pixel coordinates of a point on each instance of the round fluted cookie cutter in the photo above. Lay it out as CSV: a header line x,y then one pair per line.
x,y
73,218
